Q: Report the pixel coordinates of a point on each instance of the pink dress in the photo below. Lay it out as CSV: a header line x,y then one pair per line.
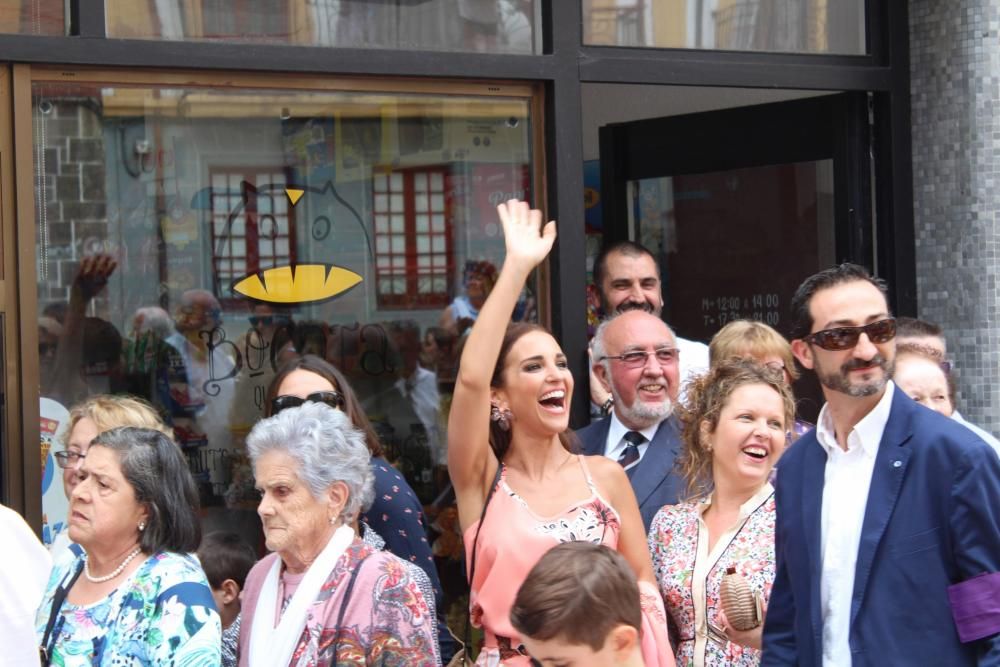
x,y
513,538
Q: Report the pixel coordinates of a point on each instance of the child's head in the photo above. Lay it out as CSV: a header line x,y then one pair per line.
x,y
579,606
226,559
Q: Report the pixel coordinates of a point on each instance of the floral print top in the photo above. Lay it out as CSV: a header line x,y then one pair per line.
x,y
387,620
163,614
690,577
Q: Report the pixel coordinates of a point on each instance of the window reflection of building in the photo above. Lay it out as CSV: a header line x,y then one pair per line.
x,y
192,188
449,25
412,238
796,26
252,226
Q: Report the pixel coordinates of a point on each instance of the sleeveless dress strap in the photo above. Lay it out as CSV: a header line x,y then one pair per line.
x,y
586,474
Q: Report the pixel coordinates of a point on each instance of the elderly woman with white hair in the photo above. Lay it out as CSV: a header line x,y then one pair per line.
x,y
324,597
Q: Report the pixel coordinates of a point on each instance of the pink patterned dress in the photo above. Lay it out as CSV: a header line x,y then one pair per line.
x,y
513,538
690,576
387,621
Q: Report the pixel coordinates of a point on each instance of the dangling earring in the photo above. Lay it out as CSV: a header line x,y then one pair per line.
x,y
501,417
142,526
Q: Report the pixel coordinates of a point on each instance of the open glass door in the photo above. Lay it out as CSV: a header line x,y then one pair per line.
x,y
740,205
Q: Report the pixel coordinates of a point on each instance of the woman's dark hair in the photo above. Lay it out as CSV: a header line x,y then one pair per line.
x,y
499,438
158,472
327,371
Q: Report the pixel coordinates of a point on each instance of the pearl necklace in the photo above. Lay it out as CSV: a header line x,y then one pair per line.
x,y
118,570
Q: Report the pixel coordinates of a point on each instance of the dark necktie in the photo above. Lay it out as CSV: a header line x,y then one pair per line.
x,y
631,454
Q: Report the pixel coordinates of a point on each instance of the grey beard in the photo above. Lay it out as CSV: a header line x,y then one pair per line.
x,y
644,414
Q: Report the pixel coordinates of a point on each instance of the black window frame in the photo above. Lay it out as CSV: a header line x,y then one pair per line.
x,y
563,66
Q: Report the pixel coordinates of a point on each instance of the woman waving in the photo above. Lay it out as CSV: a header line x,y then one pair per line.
x,y
521,490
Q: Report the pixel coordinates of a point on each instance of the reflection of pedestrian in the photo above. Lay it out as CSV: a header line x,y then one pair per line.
x,y
22,584
464,309
480,19
200,374
87,355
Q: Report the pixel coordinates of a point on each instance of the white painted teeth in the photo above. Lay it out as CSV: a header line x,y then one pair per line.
x,y
558,393
756,451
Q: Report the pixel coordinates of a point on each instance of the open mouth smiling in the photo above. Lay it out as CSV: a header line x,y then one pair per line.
x,y
554,401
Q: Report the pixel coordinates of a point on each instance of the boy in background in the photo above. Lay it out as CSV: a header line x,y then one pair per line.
x,y
226,559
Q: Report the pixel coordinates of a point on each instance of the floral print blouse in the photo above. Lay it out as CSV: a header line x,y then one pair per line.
x,y
690,577
387,620
163,614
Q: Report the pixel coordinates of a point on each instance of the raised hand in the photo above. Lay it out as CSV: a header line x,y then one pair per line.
x,y
528,242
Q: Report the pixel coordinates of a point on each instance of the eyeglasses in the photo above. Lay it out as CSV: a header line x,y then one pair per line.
x,y
332,398
68,459
844,338
637,358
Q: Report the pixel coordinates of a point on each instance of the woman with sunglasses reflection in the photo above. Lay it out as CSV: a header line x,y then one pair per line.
x,y
395,518
521,489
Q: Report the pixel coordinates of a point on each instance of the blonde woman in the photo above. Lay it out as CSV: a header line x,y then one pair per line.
x,y
734,430
87,418
747,339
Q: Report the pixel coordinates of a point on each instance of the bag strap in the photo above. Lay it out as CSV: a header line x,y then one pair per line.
x,y
57,603
343,608
472,561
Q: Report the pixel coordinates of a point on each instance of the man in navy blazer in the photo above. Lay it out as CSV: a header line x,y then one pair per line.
x,y
636,360
888,514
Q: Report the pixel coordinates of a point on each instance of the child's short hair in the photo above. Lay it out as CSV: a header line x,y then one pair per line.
x,y
226,555
577,592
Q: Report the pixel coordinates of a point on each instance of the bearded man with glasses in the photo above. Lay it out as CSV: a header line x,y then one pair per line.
x,y
888,514
636,360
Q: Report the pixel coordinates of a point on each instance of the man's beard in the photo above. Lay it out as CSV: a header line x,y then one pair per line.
x,y
626,306
840,381
641,412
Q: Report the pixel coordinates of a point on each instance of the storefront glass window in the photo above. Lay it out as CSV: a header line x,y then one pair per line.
x,y
190,240
791,26
489,26
33,17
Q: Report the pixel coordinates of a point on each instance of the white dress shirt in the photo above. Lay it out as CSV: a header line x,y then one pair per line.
x,y
22,585
693,362
615,445
985,435
845,497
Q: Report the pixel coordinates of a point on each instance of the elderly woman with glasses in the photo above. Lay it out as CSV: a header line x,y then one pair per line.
x,y
87,418
394,519
756,341
131,594
324,597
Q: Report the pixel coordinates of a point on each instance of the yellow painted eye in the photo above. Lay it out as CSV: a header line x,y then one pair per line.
x,y
304,283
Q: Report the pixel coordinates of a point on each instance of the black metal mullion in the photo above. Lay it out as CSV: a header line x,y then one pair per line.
x,y
722,68
564,176
87,18
73,51
896,237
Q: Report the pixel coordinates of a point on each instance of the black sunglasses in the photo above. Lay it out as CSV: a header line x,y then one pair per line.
x,y
844,338
332,398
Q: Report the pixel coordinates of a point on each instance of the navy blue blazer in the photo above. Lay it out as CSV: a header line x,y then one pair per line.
x,y
932,520
652,478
